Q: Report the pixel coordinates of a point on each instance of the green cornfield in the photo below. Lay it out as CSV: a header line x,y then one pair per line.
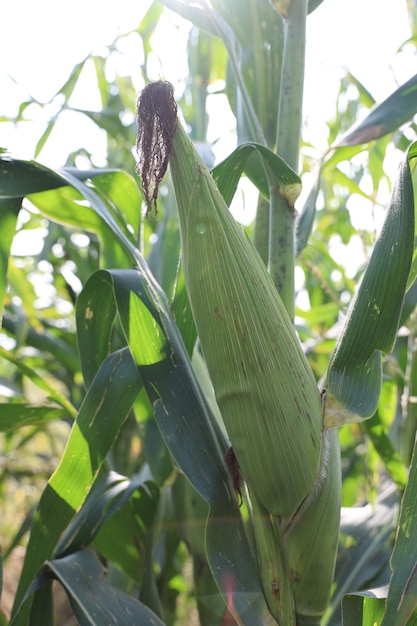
x,y
208,373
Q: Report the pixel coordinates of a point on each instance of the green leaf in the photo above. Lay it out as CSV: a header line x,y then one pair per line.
x,y
187,427
402,595
305,221
227,174
313,4
131,516
111,492
103,411
9,210
192,12
364,545
116,508
42,611
66,90
364,608
158,350
125,199
45,136
94,601
95,313
68,87
41,382
355,371
385,117
43,338
19,178
15,415
108,120
383,445
229,21
67,205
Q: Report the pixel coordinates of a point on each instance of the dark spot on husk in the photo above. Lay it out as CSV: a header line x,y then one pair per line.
x,y
234,469
156,118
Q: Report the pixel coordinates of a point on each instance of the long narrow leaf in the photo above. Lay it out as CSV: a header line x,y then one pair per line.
x,y
9,209
94,601
14,415
402,595
188,428
105,407
20,178
385,117
355,370
53,393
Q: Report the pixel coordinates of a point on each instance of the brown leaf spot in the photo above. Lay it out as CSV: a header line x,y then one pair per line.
x,y
234,469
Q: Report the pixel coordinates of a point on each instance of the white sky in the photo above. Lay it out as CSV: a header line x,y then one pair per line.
x,y
42,40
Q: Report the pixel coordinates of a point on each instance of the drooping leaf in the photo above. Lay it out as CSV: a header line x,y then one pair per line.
x,y
385,117
133,517
45,339
355,370
94,601
227,174
186,424
364,608
115,508
104,409
20,178
53,393
14,415
193,12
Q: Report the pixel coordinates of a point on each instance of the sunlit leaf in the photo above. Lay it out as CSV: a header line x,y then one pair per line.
x,y
383,445
187,426
364,608
9,209
385,117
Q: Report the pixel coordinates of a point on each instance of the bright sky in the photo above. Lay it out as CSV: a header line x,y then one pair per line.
x,y
42,40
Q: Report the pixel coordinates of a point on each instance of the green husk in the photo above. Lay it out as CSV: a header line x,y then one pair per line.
x,y
312,537
264,386
272,563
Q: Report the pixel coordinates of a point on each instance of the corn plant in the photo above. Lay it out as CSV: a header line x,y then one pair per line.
x,y
203,423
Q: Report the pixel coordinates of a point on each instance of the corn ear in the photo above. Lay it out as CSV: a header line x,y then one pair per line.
x,y
263,384
312,536
264,388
